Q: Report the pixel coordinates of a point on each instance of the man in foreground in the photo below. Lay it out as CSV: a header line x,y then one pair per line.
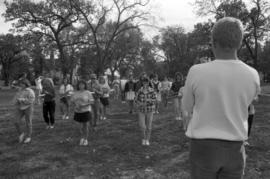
x,y
218,94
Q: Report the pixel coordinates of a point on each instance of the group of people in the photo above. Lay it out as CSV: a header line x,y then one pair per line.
x,y
89,101
215,101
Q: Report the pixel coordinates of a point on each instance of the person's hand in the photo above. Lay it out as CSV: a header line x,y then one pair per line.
x,y
186,119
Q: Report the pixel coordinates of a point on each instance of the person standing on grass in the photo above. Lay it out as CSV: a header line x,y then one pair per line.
x,y
65,92
218,94
48,95
176,85
96,91
145,99
130,88
104,98
157,87
116,88
38,87
82,100
24,106
165,89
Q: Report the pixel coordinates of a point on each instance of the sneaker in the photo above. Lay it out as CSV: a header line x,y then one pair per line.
x,y
21,137
27,140
67,117
147,142
177,118
157,112
180,118
104,118
85,143
51,127
246,143
143,142
81,141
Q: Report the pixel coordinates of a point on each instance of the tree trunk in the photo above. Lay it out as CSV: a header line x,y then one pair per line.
x,y
6,76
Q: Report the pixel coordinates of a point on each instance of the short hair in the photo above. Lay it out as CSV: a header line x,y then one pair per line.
x,y
81,82
228,33
65,79
178,74
145,79
25,82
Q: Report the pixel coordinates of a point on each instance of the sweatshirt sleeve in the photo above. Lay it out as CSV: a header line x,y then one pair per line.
x,y
31,97
188,99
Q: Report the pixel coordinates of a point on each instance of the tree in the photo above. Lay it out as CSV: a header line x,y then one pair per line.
x,y
49,18
108,21
11,48
255,19
174,43
264,64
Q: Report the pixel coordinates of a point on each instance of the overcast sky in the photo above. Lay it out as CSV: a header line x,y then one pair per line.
x,y
167,12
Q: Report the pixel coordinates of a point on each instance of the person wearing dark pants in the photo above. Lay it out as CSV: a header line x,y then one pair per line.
x,y
48,113
251,112
216,96
48,94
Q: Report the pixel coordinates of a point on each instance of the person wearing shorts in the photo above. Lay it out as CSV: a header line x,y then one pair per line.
x,y
104,98
94,88
65,92
82,100
130,93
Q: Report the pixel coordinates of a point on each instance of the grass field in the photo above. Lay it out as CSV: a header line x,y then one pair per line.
x,y
115,150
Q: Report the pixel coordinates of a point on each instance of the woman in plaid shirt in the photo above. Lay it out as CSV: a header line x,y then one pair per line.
x,y
145,99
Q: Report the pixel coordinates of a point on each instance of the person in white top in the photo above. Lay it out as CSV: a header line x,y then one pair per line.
x,y
104,98
218,94
65,93
165,89
38,88
82,100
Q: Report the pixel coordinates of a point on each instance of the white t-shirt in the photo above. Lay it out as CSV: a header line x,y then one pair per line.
x,y
68,88
38,83
218,94
82,98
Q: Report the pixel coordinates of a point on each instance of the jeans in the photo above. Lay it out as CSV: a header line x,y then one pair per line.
x,y
95,113
28,114
217,159
48,112
145,123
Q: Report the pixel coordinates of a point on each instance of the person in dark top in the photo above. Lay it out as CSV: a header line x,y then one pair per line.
x,y
48,95
176,85
130,88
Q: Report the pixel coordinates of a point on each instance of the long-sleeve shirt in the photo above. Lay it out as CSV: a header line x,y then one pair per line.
x,y
24,98
218,94
146,100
